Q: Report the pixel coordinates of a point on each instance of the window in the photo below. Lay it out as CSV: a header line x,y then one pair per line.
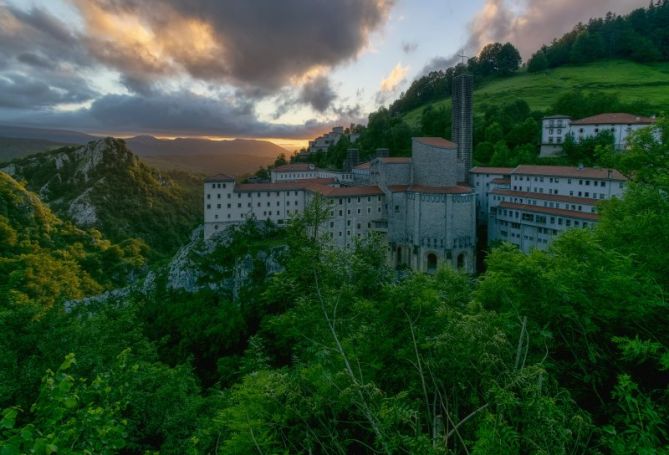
x,y
208,206
208,196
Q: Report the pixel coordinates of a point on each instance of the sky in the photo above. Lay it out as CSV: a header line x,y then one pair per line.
x,y
284,70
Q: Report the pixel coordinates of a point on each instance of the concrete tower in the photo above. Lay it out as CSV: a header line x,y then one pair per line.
x,y
463,119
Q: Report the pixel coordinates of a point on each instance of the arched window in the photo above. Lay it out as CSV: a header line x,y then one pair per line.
x,y
431,262
461,261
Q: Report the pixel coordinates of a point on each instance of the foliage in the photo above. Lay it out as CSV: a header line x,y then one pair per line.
x,y
640,36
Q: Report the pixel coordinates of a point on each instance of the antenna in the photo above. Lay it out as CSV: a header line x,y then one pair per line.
x,y
463,57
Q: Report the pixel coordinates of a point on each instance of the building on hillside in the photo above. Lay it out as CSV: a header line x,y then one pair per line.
x,y
531,205
556,128
420,205
323,143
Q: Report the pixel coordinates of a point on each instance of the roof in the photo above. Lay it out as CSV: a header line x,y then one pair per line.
x,y
219,178
547,197
550,211
363,166
395,159
436,142
330,191
501,181
457,189
548,117
570,171
614,119
491,170
283,186
295,167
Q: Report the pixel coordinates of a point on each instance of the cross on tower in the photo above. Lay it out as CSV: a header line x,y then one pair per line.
x,y
463,57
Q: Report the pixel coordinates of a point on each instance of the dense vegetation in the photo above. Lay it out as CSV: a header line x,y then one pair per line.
x,y
127,198
563,351
641,36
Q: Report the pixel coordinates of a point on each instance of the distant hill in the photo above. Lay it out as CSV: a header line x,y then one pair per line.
x,y
203,156
630,81
105,186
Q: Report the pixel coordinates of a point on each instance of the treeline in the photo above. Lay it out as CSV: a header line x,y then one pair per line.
x,y
642,36
494,60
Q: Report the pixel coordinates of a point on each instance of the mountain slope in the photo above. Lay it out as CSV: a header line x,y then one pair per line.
x,y
45,260
105,186
631,81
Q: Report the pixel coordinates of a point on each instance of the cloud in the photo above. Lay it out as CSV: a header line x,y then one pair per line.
x,y
260,45
318,93
395,78
178,113
19,91
529,24
41,61
409,47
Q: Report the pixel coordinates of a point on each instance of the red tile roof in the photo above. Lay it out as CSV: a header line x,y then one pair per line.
x,y
363,166
568,171
547,197
614,119
395,159
439,142
458,189
491,170
330,191
283,186
295,167
219,178
550,211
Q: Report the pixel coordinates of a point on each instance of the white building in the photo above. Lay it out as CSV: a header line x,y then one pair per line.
x,y
418,204
539,202
484,180
556,128
301,171
322,143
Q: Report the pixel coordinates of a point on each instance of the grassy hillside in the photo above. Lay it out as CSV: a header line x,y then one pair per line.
x,y
631,81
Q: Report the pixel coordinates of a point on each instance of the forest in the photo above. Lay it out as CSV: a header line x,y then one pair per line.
x,y
562,351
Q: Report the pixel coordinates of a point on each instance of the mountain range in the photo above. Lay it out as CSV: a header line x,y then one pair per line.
x,y
195,155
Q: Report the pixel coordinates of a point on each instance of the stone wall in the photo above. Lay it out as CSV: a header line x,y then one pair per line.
x,y
434,166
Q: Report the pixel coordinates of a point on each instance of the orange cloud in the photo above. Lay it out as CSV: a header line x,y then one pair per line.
x,y
395,78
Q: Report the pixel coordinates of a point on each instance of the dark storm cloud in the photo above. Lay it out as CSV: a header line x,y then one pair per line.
x,y
19,91
318,93
41,61
260,44
181,113
537,23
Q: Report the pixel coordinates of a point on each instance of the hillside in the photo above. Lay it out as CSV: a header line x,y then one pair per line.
x,y
44,259
105,186
630,81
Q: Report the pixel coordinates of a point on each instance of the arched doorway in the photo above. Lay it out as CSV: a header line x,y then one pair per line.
x,y
431,263
461,261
